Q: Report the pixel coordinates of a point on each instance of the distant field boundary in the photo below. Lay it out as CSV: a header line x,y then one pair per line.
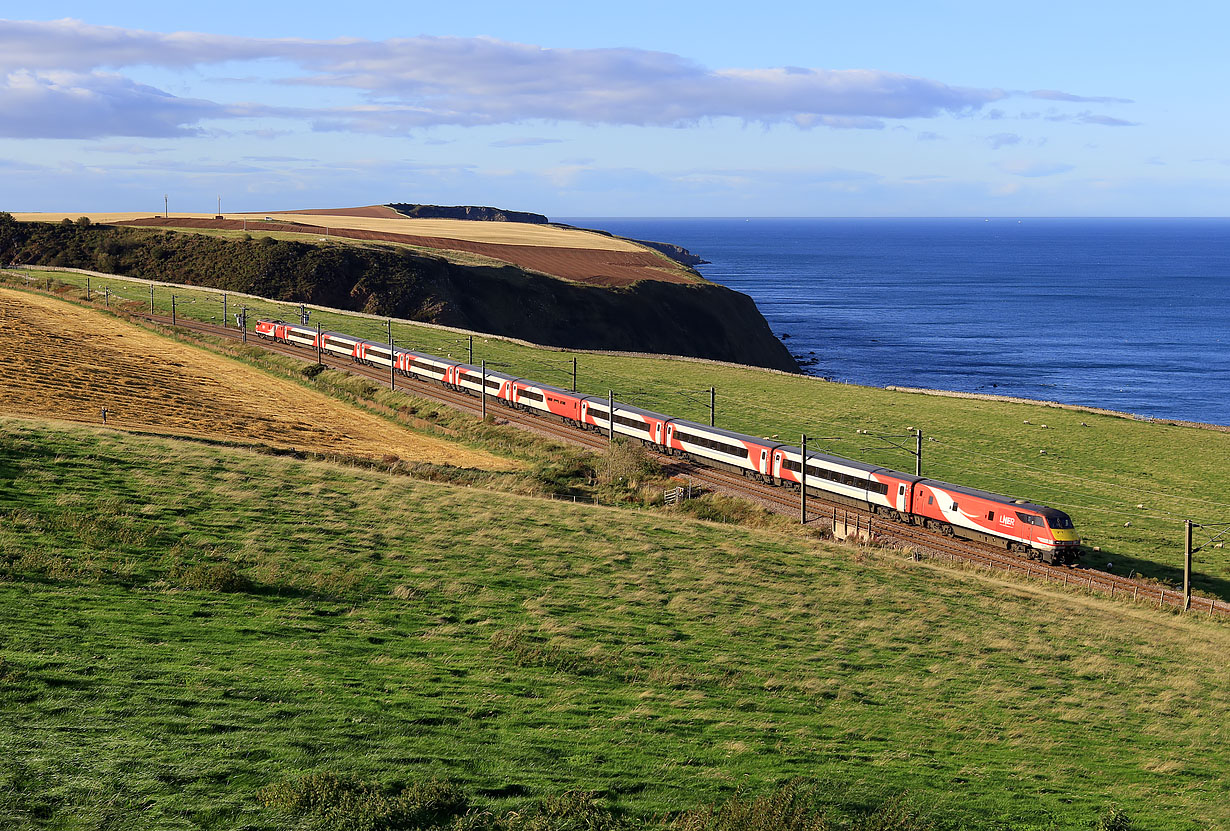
x,y
977,396
1082,408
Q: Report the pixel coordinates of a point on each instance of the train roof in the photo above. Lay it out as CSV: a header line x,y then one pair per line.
x,y
478,370
993,497
837,460
718,431
627,408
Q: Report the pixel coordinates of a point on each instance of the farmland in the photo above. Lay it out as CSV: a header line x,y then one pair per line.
x,y
168,655
195,636
69,363
571,254
1127,483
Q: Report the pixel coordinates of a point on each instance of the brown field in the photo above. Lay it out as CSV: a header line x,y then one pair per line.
x,y
581,256
66,362
385,220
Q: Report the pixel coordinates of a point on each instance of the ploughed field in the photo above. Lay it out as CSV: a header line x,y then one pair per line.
x,y
571,254
66,362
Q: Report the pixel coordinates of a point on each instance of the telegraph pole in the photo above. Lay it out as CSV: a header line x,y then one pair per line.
x,y
151,296
610,417
172,310
243,323
574,373
107,296
223,310
712,406
392,363
483,394
1187,564
318,360
87,287
803,483
470,346
918,452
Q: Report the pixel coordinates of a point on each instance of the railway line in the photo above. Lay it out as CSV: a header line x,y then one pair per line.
x,y
845,522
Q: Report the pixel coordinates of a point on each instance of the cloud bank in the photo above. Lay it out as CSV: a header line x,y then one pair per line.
x,y
60,79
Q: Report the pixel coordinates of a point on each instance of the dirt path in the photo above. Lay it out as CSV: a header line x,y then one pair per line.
x,y
62,361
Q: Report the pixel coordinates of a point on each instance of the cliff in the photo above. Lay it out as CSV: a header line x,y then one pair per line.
x,y
701,320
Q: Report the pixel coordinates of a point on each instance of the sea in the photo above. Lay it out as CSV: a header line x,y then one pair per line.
x,y
1131,315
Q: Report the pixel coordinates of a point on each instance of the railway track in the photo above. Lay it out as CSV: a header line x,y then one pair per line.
x,y
844,521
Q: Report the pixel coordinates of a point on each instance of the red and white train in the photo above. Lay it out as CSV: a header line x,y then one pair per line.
x,y
1038,531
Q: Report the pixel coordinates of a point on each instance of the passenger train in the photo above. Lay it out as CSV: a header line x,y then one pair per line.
x,y
955,510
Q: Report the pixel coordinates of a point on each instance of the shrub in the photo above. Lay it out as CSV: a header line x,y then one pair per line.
x,y
792,807
1114,819
334,803
571,811
627,464
218,577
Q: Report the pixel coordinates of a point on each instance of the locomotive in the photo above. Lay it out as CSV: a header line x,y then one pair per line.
x,y
954,510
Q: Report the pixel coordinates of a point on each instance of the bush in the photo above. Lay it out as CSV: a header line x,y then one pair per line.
x,y
626,464
792,807
572,811
218,577
801,806
331,803
1115,819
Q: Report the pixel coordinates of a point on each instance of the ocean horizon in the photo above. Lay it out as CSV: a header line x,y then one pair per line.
x,y
1124,314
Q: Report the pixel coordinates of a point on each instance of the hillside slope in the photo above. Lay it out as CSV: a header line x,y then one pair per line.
x,y
152,383
167,656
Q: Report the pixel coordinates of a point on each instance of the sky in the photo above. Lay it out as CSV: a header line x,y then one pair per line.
x,y
619,109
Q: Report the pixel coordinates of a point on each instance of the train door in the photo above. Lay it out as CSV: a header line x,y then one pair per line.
x,y
902,499
670,434
658,433
764,461
777,464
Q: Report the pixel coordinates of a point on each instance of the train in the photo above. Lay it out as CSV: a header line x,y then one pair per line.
x,y
1037,531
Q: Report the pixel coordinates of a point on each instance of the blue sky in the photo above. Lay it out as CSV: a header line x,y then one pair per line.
x,y
623,109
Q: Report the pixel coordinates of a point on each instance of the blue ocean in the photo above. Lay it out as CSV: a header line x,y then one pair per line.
x,y
1127,314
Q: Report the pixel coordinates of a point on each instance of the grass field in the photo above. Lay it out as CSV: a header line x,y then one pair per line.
x,y
1128,484
149,382
168,654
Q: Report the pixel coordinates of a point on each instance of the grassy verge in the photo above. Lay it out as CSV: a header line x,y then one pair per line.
x,y
183,657
1128,484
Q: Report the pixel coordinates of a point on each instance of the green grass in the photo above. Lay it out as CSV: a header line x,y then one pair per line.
x,y
1099,468
184,628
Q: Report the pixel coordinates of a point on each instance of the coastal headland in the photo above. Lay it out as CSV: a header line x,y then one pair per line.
x,y
554,285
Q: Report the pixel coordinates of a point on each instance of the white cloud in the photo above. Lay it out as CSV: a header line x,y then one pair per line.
x,y
1003,140
525,141
1056,95
61,104
1034,169
415,82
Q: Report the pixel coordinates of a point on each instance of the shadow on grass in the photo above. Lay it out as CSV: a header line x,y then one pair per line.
x,y
1171,576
